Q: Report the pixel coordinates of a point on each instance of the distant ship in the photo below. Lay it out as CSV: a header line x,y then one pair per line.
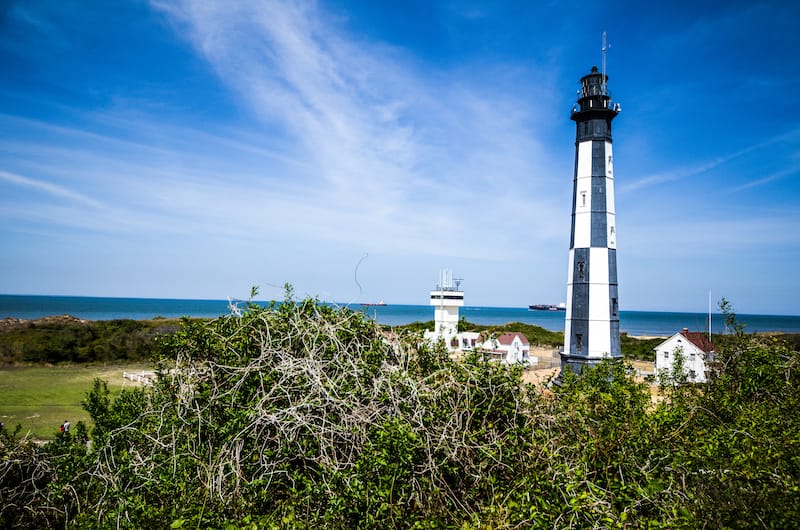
x,y
548,307
381,303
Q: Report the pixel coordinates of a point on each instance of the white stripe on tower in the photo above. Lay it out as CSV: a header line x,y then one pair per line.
x,y
599,315
611,225
583,197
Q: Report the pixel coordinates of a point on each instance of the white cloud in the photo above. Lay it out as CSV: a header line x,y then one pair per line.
x,y
392,158
681,173
766,180
48,188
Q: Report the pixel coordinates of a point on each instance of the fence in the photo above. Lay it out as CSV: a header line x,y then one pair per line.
x,y
144,377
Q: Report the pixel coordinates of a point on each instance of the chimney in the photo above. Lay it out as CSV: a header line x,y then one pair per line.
x,y
684,331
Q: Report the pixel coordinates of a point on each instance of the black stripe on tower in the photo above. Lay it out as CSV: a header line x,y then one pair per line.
x,y
599,212
613,298
612,266
616,348
594,125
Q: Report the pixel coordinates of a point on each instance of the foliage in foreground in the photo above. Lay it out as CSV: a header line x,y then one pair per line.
x,y
302,415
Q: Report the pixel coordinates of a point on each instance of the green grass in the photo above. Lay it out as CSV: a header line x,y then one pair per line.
x,y
41,398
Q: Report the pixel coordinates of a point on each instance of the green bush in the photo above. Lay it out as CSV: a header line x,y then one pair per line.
x,y
639,349
301,415
56,340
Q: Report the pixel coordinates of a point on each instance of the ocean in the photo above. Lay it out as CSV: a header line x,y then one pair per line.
x,y
634,323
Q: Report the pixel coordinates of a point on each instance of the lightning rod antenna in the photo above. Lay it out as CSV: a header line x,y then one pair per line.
x,y
604,50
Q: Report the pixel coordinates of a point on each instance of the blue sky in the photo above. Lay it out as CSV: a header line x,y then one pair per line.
x,y
355,148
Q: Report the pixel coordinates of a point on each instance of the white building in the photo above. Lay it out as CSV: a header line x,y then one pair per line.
x,y
446,299
466,340
694,349
508,348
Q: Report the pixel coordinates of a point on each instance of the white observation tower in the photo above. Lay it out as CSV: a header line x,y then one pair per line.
x,y
446,299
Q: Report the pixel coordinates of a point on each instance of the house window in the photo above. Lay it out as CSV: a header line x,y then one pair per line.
x,y
666,355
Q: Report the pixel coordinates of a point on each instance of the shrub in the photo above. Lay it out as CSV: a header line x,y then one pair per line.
x,y
305,415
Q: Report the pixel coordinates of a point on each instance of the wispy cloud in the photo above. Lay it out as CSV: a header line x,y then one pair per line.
x,y
48,188
415,155
681,173
671,176
766,180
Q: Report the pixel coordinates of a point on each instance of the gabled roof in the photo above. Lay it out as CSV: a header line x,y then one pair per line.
x,y
508,338
699,339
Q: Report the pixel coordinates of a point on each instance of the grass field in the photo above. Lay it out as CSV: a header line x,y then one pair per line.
x,y
41,398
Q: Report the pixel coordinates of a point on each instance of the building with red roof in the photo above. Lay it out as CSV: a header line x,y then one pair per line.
x,y
691,350
508,348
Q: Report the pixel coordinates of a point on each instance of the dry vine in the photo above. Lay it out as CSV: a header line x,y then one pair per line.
x,y
312,395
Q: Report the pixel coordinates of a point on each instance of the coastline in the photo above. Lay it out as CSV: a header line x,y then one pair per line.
x,y
11,322
633,323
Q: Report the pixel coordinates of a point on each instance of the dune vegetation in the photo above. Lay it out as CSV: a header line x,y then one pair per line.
x,y
301,415
66,339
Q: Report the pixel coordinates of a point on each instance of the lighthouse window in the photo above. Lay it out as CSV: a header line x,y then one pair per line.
x,y
614,306
581,269
578,342
583,198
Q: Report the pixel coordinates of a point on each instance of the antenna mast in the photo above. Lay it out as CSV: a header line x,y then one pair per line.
x,y
709,315
604,50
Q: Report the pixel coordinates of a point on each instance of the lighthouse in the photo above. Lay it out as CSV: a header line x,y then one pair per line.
x,y
591,330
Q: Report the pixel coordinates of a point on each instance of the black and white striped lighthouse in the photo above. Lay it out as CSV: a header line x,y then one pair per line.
x,y
591,330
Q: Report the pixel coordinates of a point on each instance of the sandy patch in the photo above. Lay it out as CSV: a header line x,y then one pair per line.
x,y
540,376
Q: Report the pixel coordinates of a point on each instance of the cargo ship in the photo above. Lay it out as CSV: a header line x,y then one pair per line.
x,y
548,307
